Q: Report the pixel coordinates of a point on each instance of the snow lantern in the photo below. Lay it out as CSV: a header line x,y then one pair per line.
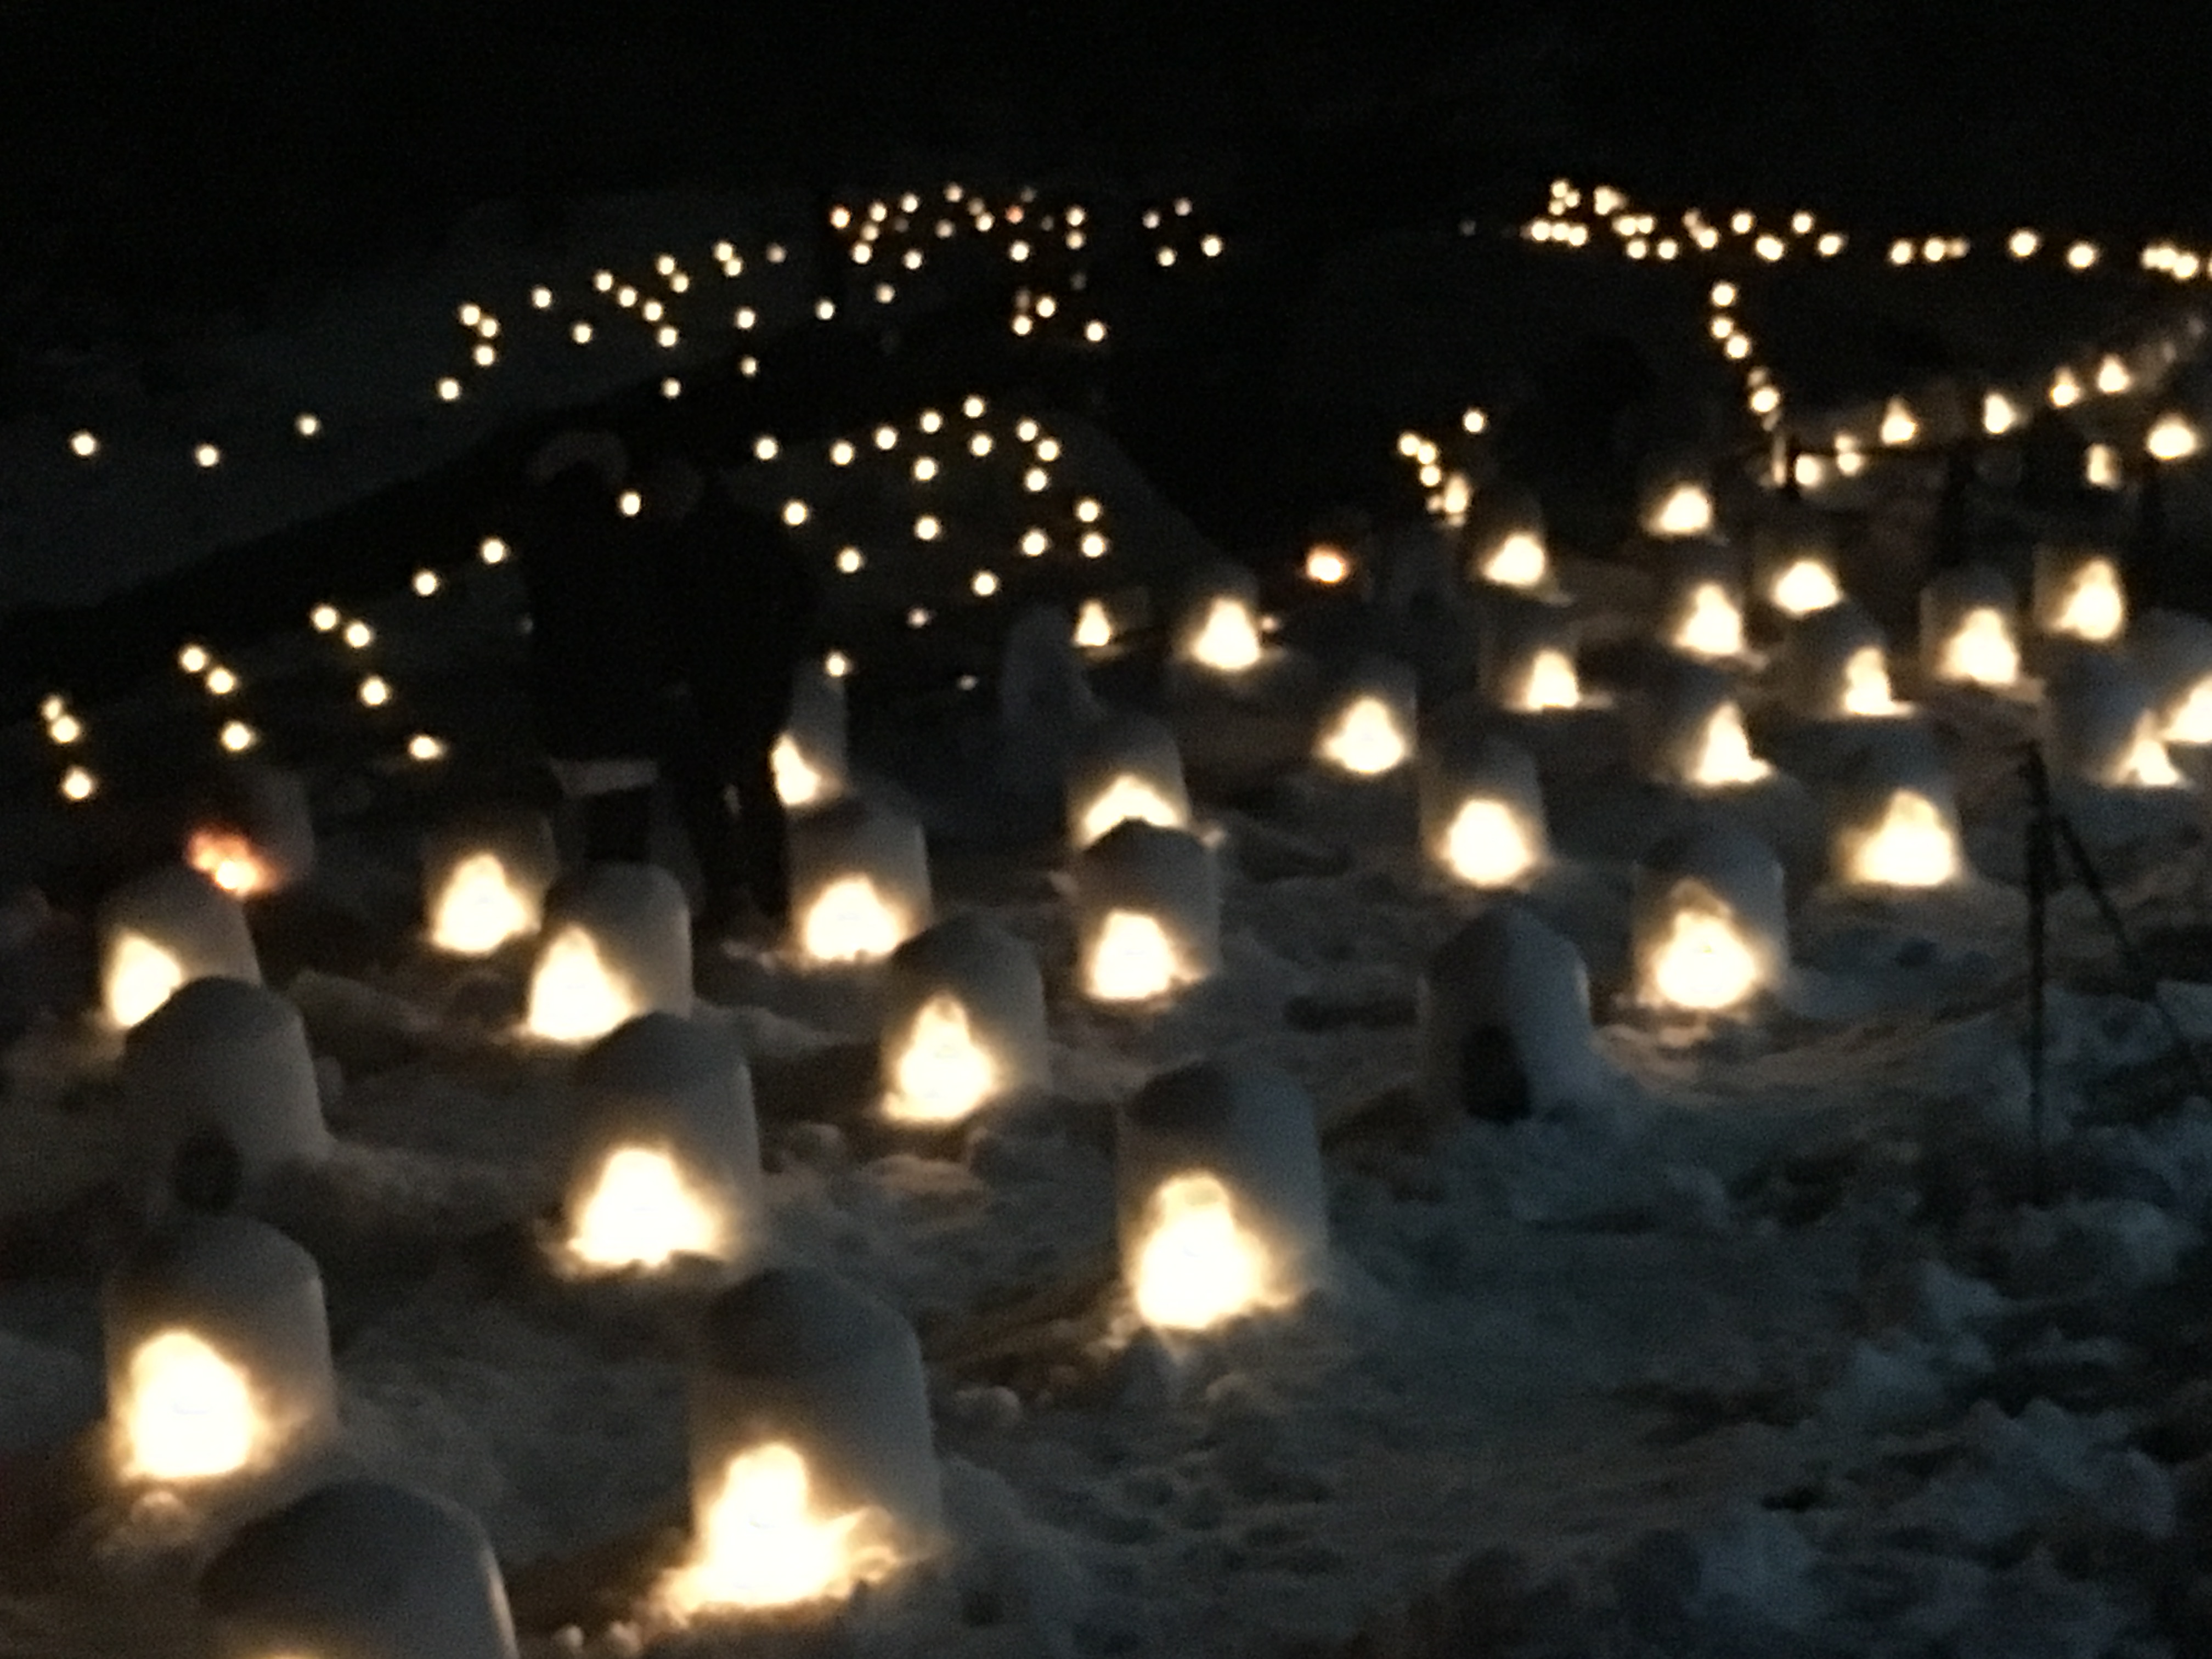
x,y
808,757
812,1465
1124,766
218,1352
1794,566
1502,542
1967,636
1677,505
225,1055
2100,727
359,1569
1369,728
963,1022
859,882
615,942
163,930
1709,928
1148,913
1221,1207
1701,607
484,881
1219,626
666,1157
260,836
2171,651
2078,593
1693,735
1505,1018
1835,665
1482,809
1894,823
1528,650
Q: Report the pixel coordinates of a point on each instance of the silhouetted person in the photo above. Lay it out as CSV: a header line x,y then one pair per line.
x,y
598,655
743,603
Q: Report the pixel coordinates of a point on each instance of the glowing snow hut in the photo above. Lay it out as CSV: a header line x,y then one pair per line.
x,y
666,1160
1894,822
1528,658
1502,542
2172,650
1218,627
812,1465
2099,726
1222,1209
1709,925
615,942
161,931
484,881
218,1353
1794,570
859,882
2078,593
1701,603
809,755
1124,766
1506,1019
1369,727
227,1056
1691,732
1967,632
963,1023
1835,665
1482,809
359,1569
1147,913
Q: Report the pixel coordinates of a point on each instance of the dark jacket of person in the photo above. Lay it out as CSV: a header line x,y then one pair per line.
x,y
745,604
599,621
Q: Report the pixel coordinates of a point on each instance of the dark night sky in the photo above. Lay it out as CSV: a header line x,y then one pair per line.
x,y
161,149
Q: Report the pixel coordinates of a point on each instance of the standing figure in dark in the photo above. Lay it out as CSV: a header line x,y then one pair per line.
x,y
599,626
744,603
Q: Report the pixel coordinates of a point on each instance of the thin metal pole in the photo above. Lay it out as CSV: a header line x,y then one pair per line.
x,y
2039,893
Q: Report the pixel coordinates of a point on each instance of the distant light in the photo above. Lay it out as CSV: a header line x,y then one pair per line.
x,y
542,298
1830,245
424,747
1034,543
850,561
2082,255
886,437
306,425
208,455
841,454
603,280
83,446
837,665
672,388
470,315
925,468
1094,331
630,503
1166,256
984,584
374,691
931,421
776,253
625,296
794,513
973,407
979,444
492,551
488,327
926,528
1473,420
426,582
322,618
824,310
580,334
238,737
359,635
64,728
744,316
449,390
2023,244
651,311
1210,247
666,337
1094,546
918,617
765,449
193,660
221,682
484,356
1087,510
2171,438
885,294
78,784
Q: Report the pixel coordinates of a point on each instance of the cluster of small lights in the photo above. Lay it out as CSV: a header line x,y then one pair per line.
x,y
1603,216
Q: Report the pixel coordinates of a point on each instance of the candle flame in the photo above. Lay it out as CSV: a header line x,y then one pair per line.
x,y
481,908
2144,764
574,996
1911,845
763,1542
1724,757
1551,681
1488,845
1094,628
1866,683
798,782
1366,740
642,1212
2093,608
1981,650
943,1074
1686,510
1519,561
1133,960
230,860
1127,797
850,920
140,976
2190,720
1197,1266
1712,623
1805,585
1229,640
187,1413
1703,965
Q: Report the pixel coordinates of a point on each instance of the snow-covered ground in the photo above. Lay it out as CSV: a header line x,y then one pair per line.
x,y
1765,1346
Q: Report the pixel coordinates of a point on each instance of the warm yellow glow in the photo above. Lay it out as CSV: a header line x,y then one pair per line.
x,y
798,782
1127,797
2145,765
2112,377
1912,846
187,1414
1703,965
481,908
1552,682
1981,650
850,920
1724,757
2023,243
2101,466
1094,628
2065,390
1486,844
763,1544
1229,639
1197,1266
1132,959
1805,585
2190,721
642,1212
942,1073
1516,562
1712,626
78,784
2171,438
1999,414
2093,608
2082,255
1687,510
1366,740
230,861
1898,426
574,997
1326,565
1866,683
140,976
